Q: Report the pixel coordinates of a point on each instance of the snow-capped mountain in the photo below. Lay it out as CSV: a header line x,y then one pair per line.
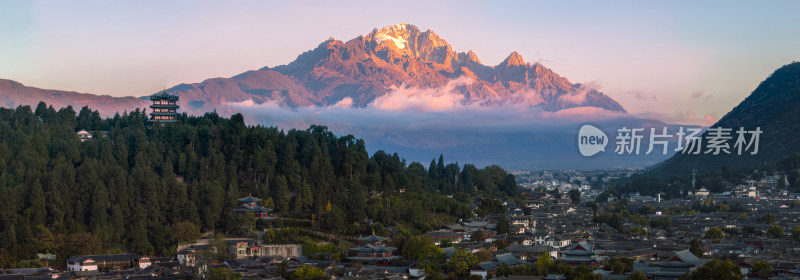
x,y
366,67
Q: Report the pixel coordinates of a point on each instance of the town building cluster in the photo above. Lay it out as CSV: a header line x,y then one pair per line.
x,y
544,224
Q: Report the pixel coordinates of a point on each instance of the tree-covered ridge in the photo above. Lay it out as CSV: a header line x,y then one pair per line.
x,y
134,181
773,107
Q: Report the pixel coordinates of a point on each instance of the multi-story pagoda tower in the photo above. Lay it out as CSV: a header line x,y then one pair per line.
x,y
164,108
250,204
372,250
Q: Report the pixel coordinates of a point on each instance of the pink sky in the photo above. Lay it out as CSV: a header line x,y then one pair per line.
x,y
677,61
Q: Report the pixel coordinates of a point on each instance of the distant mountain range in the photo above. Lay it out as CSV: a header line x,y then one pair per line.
x,y
774,107
516,114
13,94
359,70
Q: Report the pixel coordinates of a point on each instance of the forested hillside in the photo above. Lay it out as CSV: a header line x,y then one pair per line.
x,y
125,189
773,107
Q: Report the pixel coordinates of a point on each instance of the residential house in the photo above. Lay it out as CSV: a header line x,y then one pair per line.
x,y
487,269
241,249
187,257
582,253
677,265
107,262
84,135
438,236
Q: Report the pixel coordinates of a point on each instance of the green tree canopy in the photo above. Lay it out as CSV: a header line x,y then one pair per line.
x,y
717,270
142,184
222,273
618,265
766,219
796,233
694,247
775,231
503,226
431,260
186,232
761,265
574,196
461,261
308,272
415,247
714,233
544,263
477,236
637,275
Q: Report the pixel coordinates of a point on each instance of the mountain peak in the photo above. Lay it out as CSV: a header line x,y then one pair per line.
x,y
514,59
472,57
398,34
469,57
398,27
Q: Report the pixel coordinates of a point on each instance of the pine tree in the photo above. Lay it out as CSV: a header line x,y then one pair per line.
x,y
37,203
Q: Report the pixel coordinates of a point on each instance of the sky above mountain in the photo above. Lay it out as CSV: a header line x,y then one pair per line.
x,y
683,62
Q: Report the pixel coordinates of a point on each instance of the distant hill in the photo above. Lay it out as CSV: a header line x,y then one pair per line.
x,y
774,106
13,94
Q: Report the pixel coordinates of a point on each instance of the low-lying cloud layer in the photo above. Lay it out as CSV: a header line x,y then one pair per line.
x,y
413,108
578,97
420,100
422,123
